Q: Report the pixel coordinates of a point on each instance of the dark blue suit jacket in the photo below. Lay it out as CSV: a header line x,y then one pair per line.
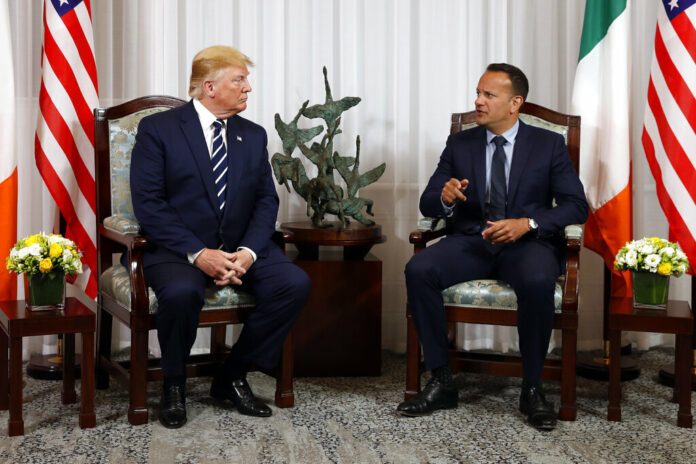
x,y
173,189
541,170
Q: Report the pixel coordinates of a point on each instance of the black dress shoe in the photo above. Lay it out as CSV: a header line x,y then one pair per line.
x,y
540,414
433,397
172,409
241,395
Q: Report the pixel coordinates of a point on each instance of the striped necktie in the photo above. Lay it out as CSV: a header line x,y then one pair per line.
x,y
219,162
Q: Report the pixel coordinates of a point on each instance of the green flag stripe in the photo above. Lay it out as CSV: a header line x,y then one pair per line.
x,y
599,14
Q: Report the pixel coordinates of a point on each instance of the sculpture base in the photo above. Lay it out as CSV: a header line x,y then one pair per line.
x,y
50,366
357,239
593,365
666,377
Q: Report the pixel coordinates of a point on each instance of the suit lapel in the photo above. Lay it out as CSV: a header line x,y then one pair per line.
x,y
479,161
236,146
520,155
191,127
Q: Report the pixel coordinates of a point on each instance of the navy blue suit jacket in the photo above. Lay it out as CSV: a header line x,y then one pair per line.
x,y
173,189
541,170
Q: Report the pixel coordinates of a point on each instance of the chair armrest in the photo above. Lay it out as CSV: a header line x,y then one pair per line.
x,y
135,244
573,235
122,225
574,232
428,229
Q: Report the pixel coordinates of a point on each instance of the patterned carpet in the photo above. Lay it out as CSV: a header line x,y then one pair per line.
x,y
352,420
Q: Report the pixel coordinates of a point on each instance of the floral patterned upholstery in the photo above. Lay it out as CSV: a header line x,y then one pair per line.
x,y
122,138
122,225
115,283
488,293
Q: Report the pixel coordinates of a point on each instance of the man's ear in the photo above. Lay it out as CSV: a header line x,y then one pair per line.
x,y
517,101
208,88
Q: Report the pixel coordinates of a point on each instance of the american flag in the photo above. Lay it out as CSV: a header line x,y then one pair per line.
x,y
64,142
669,126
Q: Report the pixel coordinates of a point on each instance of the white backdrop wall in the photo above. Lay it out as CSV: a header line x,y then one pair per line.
x,y
412,62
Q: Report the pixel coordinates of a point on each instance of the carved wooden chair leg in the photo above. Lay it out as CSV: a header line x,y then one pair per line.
x,y
285,396
137,412
104,324
568,409
412,360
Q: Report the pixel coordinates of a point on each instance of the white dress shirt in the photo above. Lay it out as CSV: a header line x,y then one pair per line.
x,y
207,119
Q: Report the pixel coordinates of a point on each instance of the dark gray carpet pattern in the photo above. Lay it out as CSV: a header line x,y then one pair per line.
x,y
353,420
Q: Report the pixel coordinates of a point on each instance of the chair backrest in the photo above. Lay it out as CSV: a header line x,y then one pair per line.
x,y
114,137
566,125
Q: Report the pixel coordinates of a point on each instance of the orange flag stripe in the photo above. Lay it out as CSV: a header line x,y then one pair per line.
x,y
8,234
607,230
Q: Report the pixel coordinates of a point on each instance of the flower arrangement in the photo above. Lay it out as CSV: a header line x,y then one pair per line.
x,y
45,254
653,255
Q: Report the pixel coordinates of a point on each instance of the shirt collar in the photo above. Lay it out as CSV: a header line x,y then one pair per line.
x,y
509,134
204,115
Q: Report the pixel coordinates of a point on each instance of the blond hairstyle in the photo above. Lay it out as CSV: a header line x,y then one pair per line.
x,y
209,63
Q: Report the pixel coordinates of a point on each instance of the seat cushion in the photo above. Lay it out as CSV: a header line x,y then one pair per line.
x,y
115,283
488,293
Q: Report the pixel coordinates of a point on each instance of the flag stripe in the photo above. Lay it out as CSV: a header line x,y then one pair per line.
x,y
60,194
672,148
64,141
84,48
674,83
601,96
599,14
678,228
53,120
63,68
669,126
684,28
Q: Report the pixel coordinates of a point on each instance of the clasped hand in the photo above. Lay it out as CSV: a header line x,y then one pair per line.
x,y
506,230
225,268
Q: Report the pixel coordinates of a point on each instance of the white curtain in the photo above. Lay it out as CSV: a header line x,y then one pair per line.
x,y
413,63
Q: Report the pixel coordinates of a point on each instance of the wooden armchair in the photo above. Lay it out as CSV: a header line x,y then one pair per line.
x,y
494,302
122,291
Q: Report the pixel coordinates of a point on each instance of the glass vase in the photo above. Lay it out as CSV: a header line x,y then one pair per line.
x,y
650,290
41,292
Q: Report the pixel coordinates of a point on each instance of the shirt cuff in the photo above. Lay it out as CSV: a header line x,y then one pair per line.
x,y
192,256
253,255
449,210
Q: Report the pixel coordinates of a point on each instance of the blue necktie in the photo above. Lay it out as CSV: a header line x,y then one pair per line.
x,y
498,192
219,162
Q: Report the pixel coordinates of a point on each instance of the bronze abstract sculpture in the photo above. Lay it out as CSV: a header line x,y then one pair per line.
x,y
321,193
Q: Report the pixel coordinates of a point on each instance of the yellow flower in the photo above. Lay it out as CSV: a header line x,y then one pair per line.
x,y
55,251
664,269
45,265
31,240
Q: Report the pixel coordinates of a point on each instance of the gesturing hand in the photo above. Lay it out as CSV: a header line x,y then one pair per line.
x,y
506,230
223,267
453,191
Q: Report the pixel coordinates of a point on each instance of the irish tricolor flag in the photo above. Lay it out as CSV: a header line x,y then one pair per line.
x,y
601,98
8,158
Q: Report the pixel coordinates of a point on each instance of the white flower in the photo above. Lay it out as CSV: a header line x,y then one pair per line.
x,y
14,253
669,251
646,249
78,266
632,258
652,261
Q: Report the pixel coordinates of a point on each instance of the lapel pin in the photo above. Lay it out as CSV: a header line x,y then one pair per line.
x,y
239,139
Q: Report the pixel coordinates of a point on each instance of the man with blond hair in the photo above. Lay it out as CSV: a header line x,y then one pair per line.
x,y
205,199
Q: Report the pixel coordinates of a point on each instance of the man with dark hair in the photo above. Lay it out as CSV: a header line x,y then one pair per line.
x,y
209,218
495,183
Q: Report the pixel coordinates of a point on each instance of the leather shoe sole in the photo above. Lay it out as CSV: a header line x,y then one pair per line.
x,y
429,411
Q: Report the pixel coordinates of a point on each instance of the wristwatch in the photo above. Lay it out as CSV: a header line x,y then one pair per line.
x,y
533,226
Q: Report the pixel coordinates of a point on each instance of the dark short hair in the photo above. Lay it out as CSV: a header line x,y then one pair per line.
x,y
520,84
